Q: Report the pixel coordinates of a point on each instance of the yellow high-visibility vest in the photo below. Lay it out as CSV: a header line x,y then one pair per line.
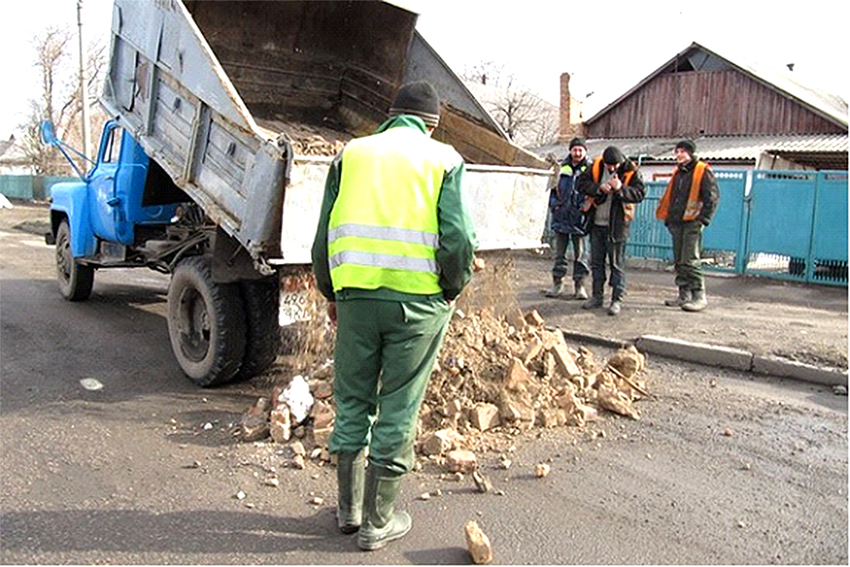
x,y
383,230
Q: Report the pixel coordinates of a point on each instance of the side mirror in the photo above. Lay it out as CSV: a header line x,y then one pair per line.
x,y
48,133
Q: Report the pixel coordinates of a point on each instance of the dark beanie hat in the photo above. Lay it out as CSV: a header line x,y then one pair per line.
x,y
612,156
578,141
420,99
688,146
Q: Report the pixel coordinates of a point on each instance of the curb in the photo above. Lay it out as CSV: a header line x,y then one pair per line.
x,y
720,356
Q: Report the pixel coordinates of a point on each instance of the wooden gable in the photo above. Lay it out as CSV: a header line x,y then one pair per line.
x,y
699,93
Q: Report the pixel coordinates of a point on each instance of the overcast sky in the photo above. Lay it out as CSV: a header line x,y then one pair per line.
x,y
607,47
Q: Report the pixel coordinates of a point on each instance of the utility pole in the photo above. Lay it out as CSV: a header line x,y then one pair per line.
x,y
84,95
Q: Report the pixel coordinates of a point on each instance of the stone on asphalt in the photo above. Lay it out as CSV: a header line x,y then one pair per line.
x,y
477,543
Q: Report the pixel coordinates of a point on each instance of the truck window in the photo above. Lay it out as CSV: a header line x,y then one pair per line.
x,y
113,146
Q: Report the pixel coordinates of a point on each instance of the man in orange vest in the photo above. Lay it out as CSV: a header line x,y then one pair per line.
x,y
686,207
613,186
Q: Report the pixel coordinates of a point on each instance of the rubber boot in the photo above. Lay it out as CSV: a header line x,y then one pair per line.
x,y
581,291
556,289
351,478
697,303
684,297
381,523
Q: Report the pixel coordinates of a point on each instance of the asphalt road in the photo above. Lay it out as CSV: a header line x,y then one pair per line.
x,y
722,468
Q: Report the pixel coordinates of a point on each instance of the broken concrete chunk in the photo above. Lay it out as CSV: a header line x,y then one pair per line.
x,y
321,389
484,416
627,361
541,470
482,483
517,376
564,361
477,543
531,350
534,319
254,427
280,425
439,442
323,414
461,460
299,399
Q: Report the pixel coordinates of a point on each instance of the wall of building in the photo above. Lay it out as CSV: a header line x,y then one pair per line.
x,y
713,103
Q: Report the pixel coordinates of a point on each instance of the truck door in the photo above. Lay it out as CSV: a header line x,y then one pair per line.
x,y
103,200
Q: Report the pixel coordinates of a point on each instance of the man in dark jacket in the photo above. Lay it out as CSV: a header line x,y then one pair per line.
x,y
686,207
565,204
613,186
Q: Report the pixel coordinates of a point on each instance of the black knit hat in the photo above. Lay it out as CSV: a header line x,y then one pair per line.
x,y
613,156
688,146
420,99
578,141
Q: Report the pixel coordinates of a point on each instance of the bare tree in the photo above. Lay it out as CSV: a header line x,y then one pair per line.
x,y
59,99
525,117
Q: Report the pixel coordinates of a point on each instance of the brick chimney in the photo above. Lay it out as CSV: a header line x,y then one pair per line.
x,y
570,122
564,126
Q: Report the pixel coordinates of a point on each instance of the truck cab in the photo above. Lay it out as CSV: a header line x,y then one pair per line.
x,y
122,193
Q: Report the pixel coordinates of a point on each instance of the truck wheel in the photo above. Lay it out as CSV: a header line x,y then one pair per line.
x,y
206,323
262,306
75,279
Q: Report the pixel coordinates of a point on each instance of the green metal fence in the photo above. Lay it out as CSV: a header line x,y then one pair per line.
x,y
29,187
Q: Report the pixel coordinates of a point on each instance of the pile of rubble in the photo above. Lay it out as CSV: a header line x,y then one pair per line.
x,y
496,376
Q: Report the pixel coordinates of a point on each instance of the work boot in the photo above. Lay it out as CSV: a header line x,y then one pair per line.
x,y
581,292
351,477
684,297
614,308
697,303
592,303
556,289
381,523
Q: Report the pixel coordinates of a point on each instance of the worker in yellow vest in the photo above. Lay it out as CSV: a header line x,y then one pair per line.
x,y
393,249
686,207
613,187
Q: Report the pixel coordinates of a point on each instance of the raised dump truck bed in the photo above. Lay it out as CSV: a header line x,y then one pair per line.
x,y
228,97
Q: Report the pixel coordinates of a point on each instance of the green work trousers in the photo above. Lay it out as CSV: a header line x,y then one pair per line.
x,y
687,248
384,356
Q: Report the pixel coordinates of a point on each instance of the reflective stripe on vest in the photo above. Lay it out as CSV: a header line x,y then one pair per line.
x,y
589,202
383,230
694,204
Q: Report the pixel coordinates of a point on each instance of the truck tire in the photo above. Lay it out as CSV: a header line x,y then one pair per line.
x,y
206,323
262,307
75,280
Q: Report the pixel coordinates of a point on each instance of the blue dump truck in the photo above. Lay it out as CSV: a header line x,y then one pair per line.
x,y
224,117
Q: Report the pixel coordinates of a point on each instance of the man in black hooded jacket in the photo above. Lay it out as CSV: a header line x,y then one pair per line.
x,y
613,186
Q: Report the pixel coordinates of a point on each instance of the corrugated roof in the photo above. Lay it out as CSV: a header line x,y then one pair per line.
x,y
829,148
831,107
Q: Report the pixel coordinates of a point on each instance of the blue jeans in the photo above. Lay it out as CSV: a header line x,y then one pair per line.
x,y
580,268
602,248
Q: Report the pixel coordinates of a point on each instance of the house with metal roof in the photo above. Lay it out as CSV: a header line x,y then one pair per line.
x,y
741,115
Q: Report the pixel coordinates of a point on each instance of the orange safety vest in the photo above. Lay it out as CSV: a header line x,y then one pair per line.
x,y
596,171
694,205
